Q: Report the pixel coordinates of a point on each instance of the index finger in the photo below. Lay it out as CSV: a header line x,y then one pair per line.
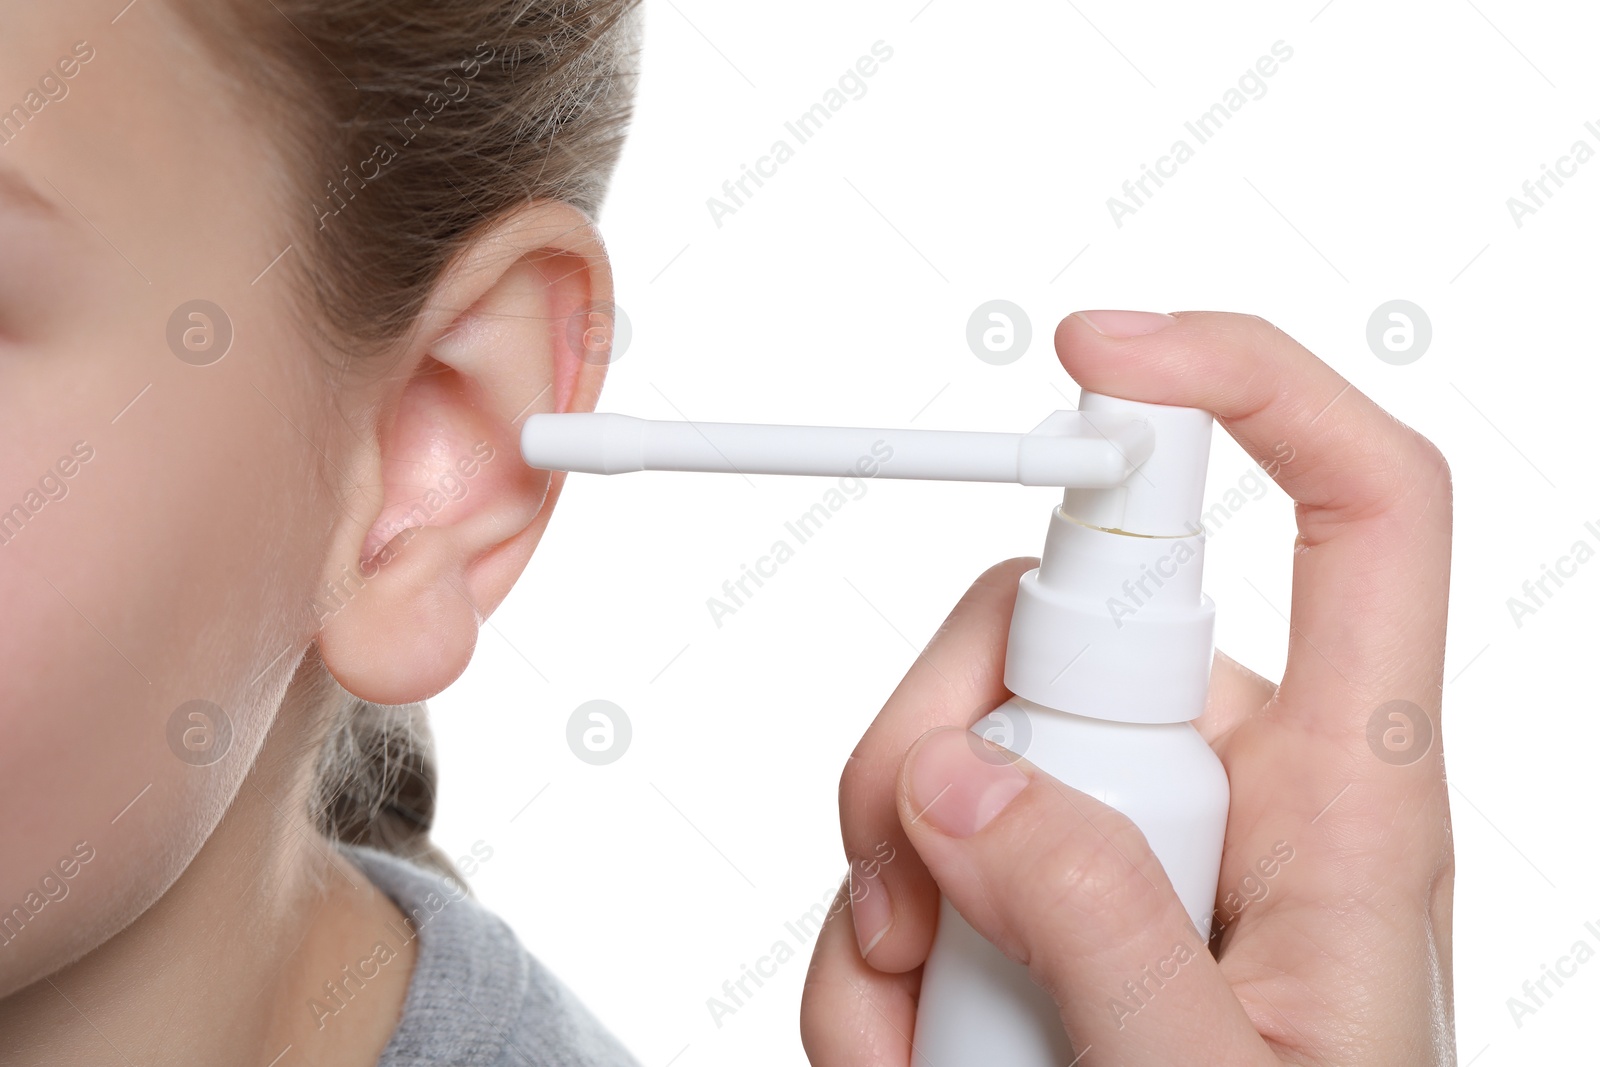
x,y
1372,559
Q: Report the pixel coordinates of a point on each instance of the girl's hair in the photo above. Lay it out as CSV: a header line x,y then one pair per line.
x,y
404,129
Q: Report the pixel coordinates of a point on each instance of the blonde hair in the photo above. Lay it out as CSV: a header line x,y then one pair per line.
x,y
407,127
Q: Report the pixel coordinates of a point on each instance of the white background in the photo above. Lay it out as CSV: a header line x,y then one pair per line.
x,y
977,166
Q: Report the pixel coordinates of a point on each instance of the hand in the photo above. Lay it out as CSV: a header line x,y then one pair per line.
x,y
1339,953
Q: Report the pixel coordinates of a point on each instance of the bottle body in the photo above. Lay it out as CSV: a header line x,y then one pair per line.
x,y
977,1007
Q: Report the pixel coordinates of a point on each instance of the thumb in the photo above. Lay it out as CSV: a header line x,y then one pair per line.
x,y
1067,886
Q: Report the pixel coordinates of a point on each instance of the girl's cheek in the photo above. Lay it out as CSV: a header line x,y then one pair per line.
x,y
39,292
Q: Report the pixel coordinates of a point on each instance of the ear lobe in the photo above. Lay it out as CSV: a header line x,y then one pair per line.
x,y
461,513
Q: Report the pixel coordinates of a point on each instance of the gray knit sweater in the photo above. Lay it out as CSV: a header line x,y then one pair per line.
x,y
477,997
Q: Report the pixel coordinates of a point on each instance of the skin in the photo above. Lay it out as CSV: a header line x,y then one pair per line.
x,y
1346,958
183,561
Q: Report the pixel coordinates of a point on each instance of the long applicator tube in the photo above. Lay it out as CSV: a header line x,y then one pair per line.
x,y
1102,456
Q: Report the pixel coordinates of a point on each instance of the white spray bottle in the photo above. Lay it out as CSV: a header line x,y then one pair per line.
x,y
1109,655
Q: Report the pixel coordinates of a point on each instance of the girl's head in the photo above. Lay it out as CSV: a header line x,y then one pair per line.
x,y
279,283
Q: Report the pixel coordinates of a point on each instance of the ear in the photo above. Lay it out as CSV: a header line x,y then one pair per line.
x,y
414,575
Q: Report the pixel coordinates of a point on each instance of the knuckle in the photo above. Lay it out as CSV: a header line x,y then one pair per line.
x,y
814,1021
1260,325
1005,573
1252,330
986,590
850,785
1414,478
1429,458
1397,475
864,801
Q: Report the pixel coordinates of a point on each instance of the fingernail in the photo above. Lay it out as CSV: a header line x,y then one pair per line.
x,y
869,909
1126,323
955,788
